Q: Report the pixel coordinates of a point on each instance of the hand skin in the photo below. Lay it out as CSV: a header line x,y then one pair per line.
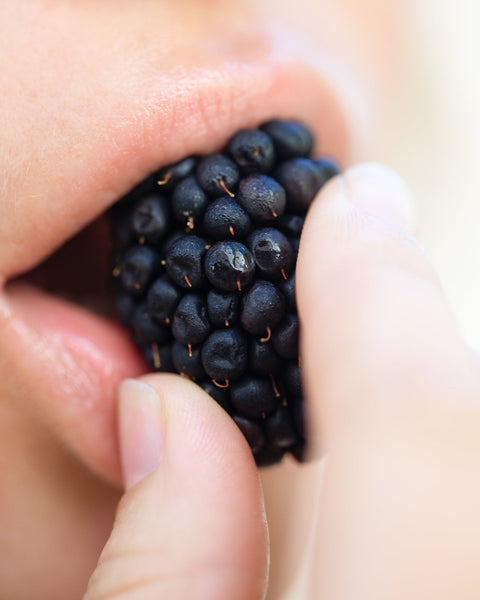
x,y
107,79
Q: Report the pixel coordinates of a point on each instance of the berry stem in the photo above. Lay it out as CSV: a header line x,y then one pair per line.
x,y
224,187
166,179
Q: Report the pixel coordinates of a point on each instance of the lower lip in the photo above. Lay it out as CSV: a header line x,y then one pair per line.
x,y
73,360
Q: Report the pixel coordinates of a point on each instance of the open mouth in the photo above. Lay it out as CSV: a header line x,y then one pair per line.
x,y
56,312
79,271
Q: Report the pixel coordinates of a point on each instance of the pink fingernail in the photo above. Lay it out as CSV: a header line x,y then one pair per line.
x,y
140,430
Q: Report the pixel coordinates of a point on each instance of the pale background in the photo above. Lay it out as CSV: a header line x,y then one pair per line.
x,y
432,138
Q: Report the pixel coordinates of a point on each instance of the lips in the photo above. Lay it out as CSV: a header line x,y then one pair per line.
x,y
63,359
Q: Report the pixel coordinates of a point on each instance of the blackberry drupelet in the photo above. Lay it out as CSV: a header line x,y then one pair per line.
x,y
204,276
225,219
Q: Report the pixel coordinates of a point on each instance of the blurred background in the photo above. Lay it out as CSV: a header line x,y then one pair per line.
x,y
432,137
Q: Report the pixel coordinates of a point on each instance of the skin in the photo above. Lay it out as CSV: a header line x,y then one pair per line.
x,y
96,96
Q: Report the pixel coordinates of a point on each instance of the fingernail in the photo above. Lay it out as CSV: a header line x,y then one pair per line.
x,y
140,430
380,192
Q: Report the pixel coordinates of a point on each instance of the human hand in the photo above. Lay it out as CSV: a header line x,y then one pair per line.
x,y
392,397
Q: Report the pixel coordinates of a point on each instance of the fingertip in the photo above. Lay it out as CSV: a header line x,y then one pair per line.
x,y
381,192
199,435
377,191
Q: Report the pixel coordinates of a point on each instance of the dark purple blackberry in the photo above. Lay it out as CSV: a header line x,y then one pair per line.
x,y
280,430
272,252
290,225
150,218
225,219
327,168
262,197
295,244
285,337
225,355
204,276
263,307
183,261
223,308
137,269
218,175
253,397
189,202
229,266
187,361
292,378
290,138
124,306
162,299
190,321
167,177
263,360
252,150
146,330
287,287
301,179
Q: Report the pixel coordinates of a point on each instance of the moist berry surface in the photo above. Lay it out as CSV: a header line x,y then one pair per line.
x,y
204,276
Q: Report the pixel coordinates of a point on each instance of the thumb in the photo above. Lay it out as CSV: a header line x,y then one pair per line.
x,y
191,523
380,343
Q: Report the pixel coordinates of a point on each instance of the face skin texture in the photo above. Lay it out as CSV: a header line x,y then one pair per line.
x,y
96,95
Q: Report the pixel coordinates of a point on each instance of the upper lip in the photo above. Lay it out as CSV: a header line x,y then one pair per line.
x,y
191,112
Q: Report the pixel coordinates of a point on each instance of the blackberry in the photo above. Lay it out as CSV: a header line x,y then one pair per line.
x,y
137,269
169,176
145,329
262,197
225,219
225,356
150,218
162,299
292,379
326,168
204,276
263,358
285,337
287,287
183,261
190,322
189,202
263,308
272,252
229,266
187,361
290,138
280,429
217,175
223,309
301,178
253,397
252,150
